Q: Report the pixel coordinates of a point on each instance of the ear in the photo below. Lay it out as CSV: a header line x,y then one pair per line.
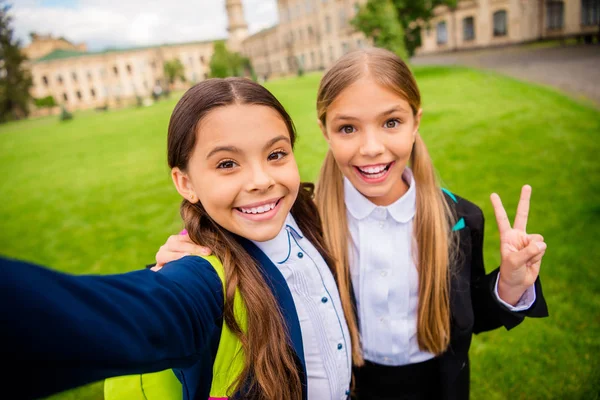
x,y
417,122
323,130
183,184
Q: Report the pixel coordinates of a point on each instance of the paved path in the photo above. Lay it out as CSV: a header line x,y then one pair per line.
x,y
574,69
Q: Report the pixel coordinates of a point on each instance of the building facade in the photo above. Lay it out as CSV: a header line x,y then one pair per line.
x,y
113,78
310,36
488,23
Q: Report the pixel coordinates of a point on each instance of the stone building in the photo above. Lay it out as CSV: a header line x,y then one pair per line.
x,y
311,34
81,79
488,23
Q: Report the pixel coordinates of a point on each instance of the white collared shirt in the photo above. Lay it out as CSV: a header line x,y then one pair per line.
x,y
385,277
325,337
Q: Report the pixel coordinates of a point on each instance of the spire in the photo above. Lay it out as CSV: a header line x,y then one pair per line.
x,y
237,29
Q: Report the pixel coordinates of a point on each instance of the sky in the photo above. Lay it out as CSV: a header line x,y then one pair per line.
x,y
128,23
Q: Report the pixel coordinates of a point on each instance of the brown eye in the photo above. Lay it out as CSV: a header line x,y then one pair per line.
x,y
227,164
392,123
347,129
277,155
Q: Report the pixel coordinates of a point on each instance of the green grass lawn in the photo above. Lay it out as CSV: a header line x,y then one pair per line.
x,y
94,195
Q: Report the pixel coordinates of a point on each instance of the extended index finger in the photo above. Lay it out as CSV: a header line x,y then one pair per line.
x,y
500,212
523,209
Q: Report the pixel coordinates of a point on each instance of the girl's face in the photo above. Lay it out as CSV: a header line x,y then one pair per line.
x,y
242,170
371,130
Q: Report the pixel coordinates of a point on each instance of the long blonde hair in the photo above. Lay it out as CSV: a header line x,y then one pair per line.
x,y
433,216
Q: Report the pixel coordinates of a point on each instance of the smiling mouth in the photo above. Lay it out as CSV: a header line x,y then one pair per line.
x,y
258,210
374,171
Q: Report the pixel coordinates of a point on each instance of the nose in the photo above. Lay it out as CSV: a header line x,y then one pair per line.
x,y
260,179
371,145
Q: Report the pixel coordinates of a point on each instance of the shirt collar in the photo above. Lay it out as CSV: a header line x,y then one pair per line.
x,y
402,210
279,248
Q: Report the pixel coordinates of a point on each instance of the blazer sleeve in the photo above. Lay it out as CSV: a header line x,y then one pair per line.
x,y
72,330
488,312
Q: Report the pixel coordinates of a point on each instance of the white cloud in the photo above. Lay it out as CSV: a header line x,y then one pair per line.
x,y
110,23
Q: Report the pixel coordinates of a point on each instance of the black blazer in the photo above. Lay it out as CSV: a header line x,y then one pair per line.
x,y
474,307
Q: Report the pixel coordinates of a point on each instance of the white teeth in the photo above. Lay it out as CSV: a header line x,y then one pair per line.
x,y
258,210
373,170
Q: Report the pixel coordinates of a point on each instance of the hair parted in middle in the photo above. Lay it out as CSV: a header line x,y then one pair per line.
x,y
271,370
435,241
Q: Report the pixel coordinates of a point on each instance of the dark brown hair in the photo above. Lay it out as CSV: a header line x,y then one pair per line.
x,y
269,359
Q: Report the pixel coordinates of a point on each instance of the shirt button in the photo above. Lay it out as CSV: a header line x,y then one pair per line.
x,y
384,273
323,299
340,346
382,320
300,255
386,359
381,225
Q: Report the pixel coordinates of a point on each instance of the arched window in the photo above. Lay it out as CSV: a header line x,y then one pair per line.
x,y
442,33
468,29
555,12
500,28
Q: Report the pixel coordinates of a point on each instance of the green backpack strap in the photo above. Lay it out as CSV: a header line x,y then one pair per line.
x,y
164,385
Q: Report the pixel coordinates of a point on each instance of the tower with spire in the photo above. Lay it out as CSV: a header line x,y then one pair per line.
x,y
237,29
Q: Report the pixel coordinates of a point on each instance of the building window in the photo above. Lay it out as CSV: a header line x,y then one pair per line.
x,y
59,79
500,23
202,60
342,16
554,14
45,80
116,70
356,8
328,24
65,97
331,54
129,69
74,75
89,75
442,33
590,12
93,92
468,29
78,93
345,47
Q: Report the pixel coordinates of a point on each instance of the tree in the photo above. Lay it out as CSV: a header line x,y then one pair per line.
x,y
224,63
174,70
377,19
412,15
15,79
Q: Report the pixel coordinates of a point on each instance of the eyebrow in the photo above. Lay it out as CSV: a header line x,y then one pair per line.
x,y
383,114
233,149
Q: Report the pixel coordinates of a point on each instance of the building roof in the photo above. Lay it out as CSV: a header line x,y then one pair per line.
x,y
62,54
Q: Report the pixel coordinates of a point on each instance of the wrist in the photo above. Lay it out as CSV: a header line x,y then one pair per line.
x,y
510,293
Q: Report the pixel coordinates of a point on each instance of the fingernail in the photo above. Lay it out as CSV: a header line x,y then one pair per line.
x,y
541,245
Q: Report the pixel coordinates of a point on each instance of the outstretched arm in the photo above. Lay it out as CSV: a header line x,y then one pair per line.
x,y
71,330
